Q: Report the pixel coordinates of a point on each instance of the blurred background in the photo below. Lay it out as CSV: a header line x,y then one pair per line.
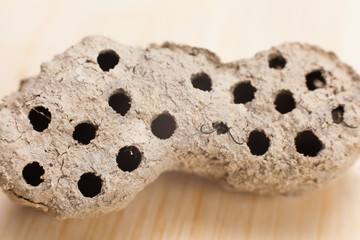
x,y
180,206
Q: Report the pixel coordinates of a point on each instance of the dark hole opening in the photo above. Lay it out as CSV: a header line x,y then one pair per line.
x,y
338,114
315,80
120,102
284,102
40,118
108,59
32,173
277,61
89,185
308,143
201,81
163,126
128,158
84,133
258,143
244,92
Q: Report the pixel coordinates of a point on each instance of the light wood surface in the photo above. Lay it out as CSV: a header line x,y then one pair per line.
x,y
181,206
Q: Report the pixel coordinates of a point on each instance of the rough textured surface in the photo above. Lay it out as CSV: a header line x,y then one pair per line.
x,y
213,134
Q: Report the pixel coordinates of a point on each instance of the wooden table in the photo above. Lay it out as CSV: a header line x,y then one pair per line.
x,y
180,206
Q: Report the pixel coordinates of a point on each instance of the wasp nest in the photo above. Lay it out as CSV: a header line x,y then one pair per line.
x,y
103,120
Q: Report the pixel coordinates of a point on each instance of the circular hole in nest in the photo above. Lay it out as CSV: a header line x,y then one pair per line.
x,y
258,143
244,92
315,79
108,59
32,174
128,158
40,118
120,102
84,133
284,102
201,81
89,184
308,144
163,126
338,114
277,61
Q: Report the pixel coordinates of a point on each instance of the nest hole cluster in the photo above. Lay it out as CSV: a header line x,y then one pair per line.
x,y
128,158
163,125
306,142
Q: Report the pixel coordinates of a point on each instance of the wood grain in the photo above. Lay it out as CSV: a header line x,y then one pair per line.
x,y
181,206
